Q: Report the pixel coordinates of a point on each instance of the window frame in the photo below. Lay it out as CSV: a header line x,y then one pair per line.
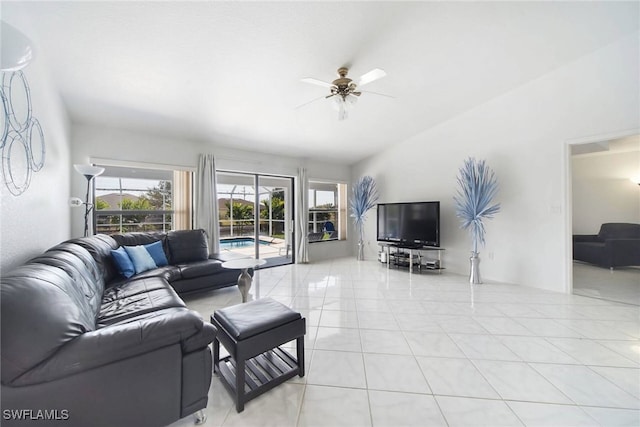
x,y
314,226
120,226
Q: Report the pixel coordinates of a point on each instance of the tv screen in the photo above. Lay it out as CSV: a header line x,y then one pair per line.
x,y
411,224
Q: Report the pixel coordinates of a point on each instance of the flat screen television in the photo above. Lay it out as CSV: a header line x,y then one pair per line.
x,y
410,224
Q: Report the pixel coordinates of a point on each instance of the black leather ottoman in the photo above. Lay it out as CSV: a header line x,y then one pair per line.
x,y
251,333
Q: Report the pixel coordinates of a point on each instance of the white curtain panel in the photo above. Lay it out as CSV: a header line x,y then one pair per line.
x,y
206,200
302,217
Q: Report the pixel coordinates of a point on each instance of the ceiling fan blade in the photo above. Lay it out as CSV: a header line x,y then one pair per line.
x,y
378,93
309,102
371,76
317,82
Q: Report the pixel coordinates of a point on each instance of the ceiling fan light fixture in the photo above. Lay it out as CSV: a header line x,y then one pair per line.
x,y
350,100
344,92
337,102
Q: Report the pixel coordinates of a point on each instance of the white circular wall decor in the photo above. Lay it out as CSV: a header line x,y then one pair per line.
x,y
36,145
23,146
18,96
16,164
4,119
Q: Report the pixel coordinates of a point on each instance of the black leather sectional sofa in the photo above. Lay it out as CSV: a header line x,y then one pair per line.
x,y
615,245
82,346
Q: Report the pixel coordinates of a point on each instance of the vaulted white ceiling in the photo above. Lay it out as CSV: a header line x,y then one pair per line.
x,y
229,72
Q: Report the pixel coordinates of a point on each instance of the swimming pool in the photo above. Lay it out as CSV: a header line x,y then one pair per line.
x,y
240,242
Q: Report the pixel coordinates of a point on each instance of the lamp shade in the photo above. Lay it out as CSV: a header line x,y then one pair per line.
x,y
17,51
89,171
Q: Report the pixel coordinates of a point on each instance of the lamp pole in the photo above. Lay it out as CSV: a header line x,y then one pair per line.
x,y
89,172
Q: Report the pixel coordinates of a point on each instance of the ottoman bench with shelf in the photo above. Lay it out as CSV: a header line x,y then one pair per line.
x,y
252,333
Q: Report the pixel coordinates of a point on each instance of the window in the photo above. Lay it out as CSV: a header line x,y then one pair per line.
x,y
134,199
327,211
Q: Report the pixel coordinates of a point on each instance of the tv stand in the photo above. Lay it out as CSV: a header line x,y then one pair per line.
x,y
411,255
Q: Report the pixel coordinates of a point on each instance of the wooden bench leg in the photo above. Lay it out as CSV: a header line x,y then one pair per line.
x,y
239,385
300,354
216,354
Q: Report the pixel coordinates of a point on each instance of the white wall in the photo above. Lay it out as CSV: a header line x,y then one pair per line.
x,y
522,134
94,141
602,190
39,218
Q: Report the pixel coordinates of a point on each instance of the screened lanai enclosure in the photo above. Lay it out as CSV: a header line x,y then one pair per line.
x,y
255,216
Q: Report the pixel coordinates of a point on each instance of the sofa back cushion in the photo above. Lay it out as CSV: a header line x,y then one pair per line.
x,y
187,246
42,307
78,263
138,238
619,230
100,246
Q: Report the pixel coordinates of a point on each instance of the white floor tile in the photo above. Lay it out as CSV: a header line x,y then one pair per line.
x,y
279,407
334,407
609,417
394,373
502,326
627,379
386,342
628,349
547,328
339,319
459,324
518,381
455,377
392,409
483,347
417,322
548,415
536,349
585,387
337,368
428,344
373,320
590,352
339,339
465,412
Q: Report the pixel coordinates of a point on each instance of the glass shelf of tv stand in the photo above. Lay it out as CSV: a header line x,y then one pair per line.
x,y
410,256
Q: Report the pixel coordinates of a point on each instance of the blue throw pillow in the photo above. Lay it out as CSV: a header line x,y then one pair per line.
x,y
157,253
123,262
140,258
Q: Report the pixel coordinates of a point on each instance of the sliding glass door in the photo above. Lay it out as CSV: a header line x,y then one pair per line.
x,y
256,215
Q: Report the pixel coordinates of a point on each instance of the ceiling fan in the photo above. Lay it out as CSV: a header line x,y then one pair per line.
x,y
344,92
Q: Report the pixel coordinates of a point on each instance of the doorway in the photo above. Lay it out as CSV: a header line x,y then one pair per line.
x,y
602,190
255,216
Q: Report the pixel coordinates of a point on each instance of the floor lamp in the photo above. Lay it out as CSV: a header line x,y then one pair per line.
x,y
89,172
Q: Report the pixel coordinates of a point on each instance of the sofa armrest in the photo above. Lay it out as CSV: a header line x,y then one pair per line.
x,y
577,238
117,342
623,252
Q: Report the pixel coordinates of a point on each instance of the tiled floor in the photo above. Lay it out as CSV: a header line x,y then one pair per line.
x,y
386,348
622,284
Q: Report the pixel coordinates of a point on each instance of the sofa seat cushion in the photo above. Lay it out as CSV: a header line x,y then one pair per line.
x,y
136,297
200,268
